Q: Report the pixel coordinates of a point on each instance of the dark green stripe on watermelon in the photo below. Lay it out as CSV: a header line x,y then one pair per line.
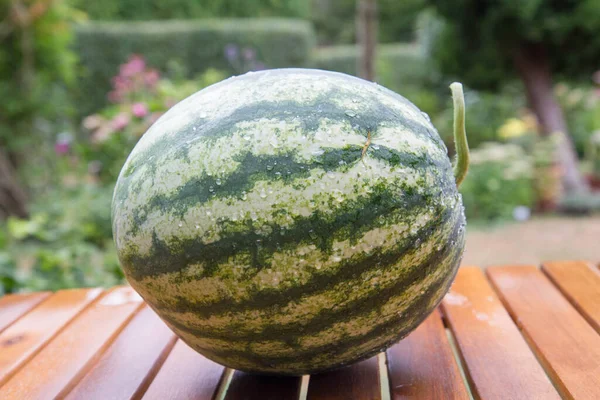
x,y
421,308
266,168
310,115
326,317
357,217
350,269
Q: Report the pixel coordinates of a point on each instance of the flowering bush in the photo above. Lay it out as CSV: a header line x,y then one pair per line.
x,y
500,179
139,96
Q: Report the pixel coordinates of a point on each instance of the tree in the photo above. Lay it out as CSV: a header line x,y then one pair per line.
x,y
366,37
36,65
485,42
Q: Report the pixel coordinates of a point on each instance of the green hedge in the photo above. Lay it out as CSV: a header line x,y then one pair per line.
x,y
400,67
144,10
195,44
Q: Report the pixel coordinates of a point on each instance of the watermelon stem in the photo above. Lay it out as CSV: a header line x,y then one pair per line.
x,y
461,163
366,146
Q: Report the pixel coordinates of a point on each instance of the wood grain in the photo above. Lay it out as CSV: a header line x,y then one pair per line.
x,y
185,375
249,386
566,345
23,339
62,362
130,363
579,282
13,306
357,381
498,361
422,365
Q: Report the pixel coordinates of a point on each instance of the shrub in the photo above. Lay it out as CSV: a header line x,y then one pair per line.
x,y
582,110
65,243
34,74
499,181
36,70
140,96
191,9
196,45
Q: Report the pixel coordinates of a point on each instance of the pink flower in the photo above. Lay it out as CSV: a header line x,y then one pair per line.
x,y
115,96
121,83
151,77
135,65
139,110
120,121
62,148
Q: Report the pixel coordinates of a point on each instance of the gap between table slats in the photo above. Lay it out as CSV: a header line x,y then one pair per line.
x,y
128,366
497,361
423,365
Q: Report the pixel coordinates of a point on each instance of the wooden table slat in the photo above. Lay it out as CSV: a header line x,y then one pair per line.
x,y
128,366
422,365
566,345
249,386
60,364
499,364
357,381
579,282
23,339
185,375
13,306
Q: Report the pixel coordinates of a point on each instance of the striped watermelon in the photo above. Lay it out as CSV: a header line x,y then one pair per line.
x,y
290,221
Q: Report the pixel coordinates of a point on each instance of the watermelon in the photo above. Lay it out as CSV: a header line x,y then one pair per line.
x,y
291,221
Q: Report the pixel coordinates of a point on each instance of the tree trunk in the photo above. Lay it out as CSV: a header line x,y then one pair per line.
x,y
532,65
366,37
12,197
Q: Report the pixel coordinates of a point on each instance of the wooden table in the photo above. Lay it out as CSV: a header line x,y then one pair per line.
x,y
515,332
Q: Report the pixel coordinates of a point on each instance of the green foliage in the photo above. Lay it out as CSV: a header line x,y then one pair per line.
x,y
481,37
499,180
593,154
334,20
132,10
36,67
582,111
65,243
197,45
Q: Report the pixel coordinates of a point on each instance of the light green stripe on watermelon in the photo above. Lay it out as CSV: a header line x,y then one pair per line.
x,y
313,315
259,209
306,308
376,332
337,332
220,102
166,183
297,272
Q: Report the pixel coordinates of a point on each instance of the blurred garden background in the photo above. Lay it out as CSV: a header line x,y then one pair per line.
x,y
82,80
